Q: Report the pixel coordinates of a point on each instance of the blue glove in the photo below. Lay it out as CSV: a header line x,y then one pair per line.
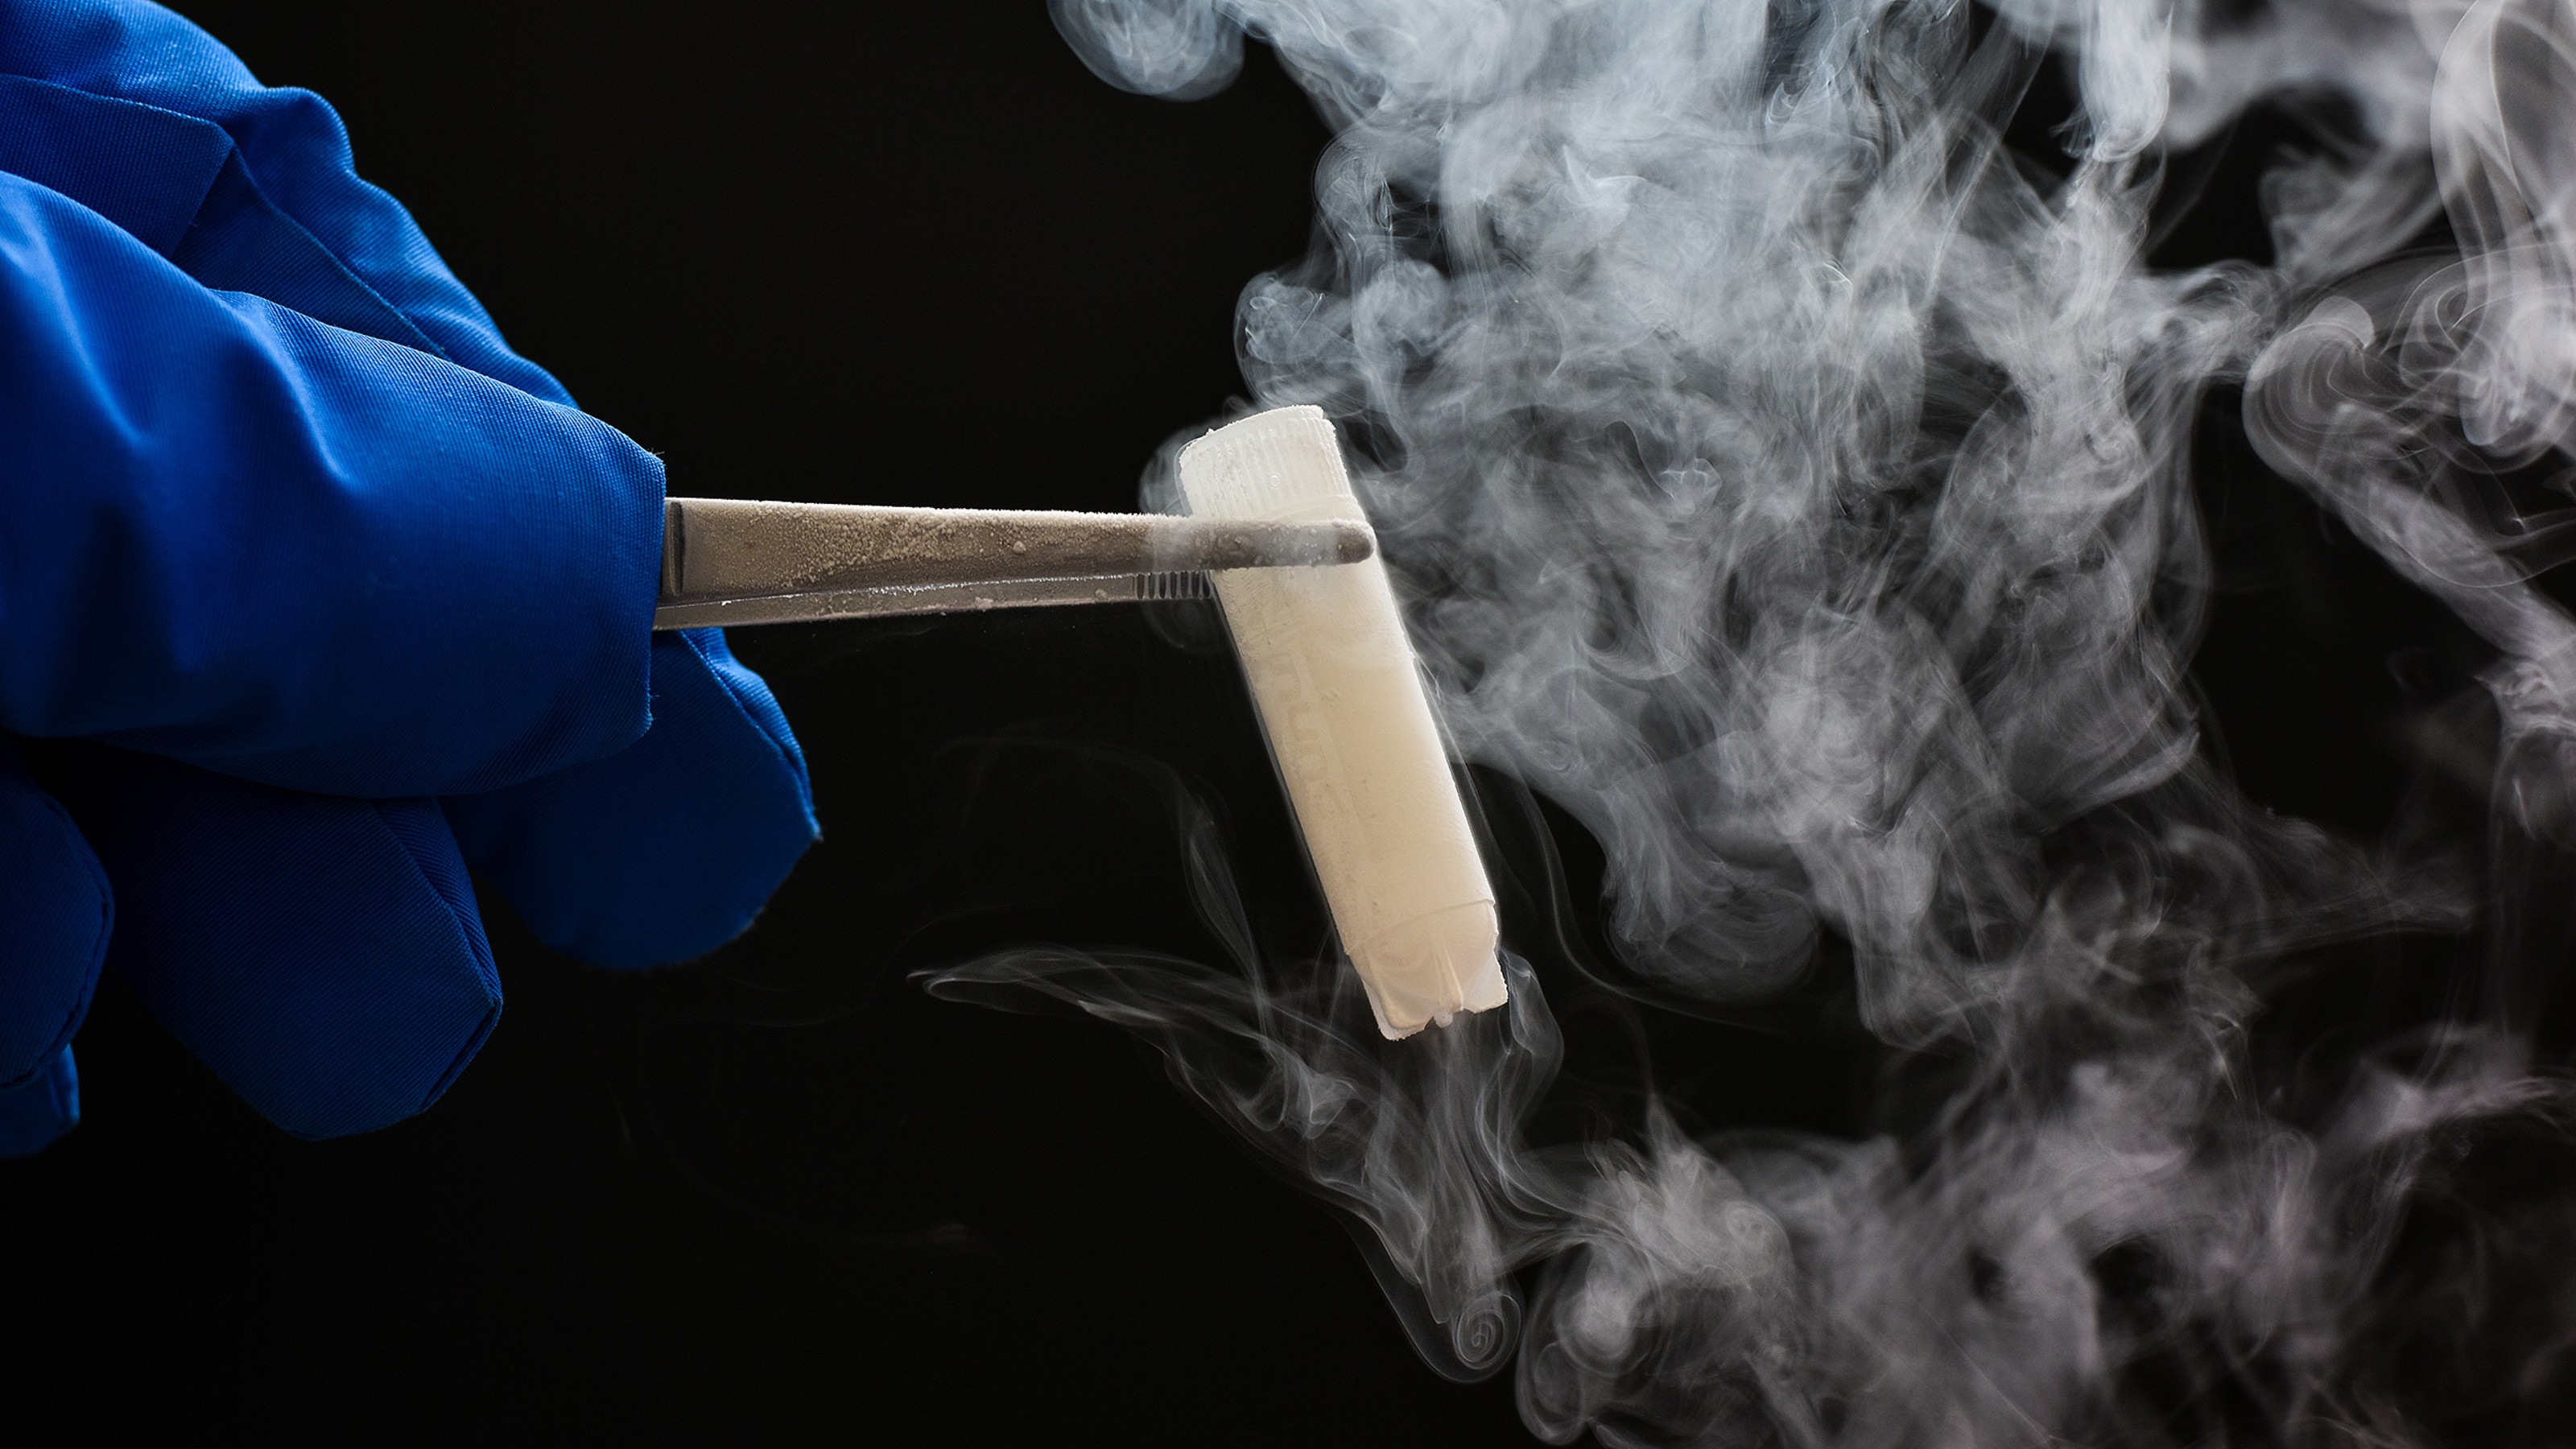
x,y
312,593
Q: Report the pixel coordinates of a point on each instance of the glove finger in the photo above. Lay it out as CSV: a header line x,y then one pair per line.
x,y
323,955
38,1108
292,552
55,911
667,849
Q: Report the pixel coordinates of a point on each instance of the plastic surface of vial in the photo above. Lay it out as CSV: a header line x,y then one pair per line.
x,y
1341,698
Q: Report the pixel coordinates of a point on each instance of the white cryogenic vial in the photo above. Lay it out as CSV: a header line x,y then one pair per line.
x,y
1341,699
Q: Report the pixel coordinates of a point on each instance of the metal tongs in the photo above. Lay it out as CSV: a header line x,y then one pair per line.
x,y
726,562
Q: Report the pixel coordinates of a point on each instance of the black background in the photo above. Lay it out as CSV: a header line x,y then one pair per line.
x,y
916,254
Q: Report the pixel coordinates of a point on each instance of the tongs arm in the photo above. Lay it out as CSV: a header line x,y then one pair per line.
x,y
726,561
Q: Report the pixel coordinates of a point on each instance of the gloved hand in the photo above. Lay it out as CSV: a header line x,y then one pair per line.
x,y
311,593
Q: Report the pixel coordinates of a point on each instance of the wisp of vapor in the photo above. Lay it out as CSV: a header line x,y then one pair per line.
x,y
1795,486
